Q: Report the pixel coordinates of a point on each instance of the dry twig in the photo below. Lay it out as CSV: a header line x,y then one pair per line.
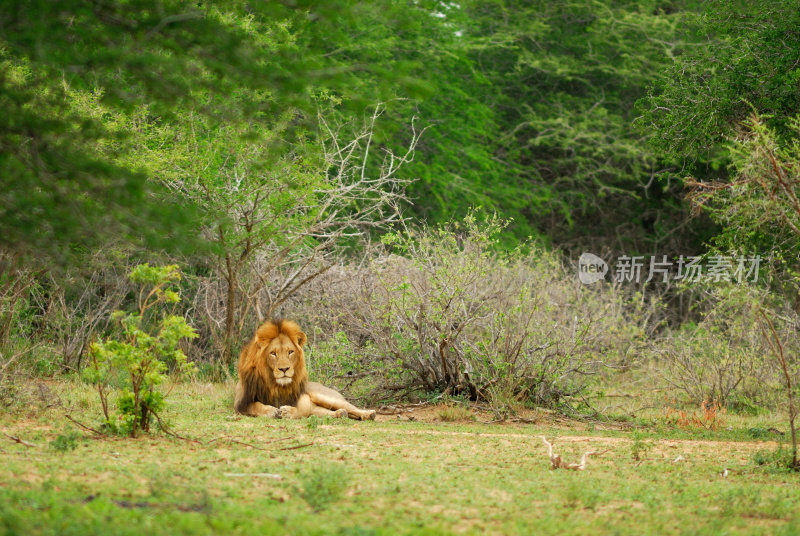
x,y
89,428
297,446
20,441
557,463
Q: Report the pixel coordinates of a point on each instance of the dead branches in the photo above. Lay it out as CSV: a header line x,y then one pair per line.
x,y
16,439
285,222
557,463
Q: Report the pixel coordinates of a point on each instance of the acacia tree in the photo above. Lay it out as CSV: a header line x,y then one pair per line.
x,y
277,217
760,208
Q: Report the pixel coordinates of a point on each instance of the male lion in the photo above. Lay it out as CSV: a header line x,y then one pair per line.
x,y
273,380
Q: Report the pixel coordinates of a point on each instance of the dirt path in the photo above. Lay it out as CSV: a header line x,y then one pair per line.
x,y
581,439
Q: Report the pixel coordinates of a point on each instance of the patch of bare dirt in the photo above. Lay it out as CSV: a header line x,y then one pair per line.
x,y
432,413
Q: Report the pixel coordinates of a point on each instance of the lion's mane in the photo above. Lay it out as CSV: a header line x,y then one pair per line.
x,y
258,382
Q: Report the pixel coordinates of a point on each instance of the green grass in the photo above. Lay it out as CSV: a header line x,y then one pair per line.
x,y
388,477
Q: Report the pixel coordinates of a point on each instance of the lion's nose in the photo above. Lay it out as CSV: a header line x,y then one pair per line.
x,y
284,370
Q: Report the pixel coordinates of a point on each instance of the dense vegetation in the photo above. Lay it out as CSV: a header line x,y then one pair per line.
x,y
418,183
409,180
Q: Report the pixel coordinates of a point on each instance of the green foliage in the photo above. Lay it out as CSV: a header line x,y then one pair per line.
x,y
531,105
758,209
139,358
640,447
745,61
564,77
322,485
347,366
66,442
774,460
72,73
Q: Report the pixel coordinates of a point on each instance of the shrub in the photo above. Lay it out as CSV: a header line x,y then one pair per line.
x,y
725,354
66,442
345,365
138,360
778,460
446,311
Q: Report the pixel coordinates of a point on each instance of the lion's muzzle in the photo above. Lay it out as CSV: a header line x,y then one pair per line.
x,y
283,376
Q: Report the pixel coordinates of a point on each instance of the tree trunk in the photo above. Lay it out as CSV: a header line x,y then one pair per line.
x,y
230,309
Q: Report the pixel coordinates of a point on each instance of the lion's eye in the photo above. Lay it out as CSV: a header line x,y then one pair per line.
x,y
273,354
291,352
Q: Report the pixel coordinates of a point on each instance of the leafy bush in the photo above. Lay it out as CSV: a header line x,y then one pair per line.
x,y
66,442
138,360
347,366
777,460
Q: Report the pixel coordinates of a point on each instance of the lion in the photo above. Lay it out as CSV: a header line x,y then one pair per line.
x,y
273,380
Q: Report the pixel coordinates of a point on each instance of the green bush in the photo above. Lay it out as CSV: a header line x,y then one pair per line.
x,y
138,360
778,460
66,442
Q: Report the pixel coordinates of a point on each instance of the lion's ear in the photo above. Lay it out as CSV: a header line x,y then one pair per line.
x,y
301,338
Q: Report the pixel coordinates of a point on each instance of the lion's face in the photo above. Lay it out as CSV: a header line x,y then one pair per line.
x,y
272,368
283,357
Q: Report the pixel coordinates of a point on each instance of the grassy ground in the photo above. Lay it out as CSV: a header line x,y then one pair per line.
x,y
392,476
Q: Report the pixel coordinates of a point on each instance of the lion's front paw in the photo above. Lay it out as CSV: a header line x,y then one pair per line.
x,y
286,412
369,415
340,414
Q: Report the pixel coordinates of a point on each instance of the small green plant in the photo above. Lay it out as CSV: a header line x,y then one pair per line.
x,y
312,422
777,460
323,485
66,442
758,432
138,359
640,447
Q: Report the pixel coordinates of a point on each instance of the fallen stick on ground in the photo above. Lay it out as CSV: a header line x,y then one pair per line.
x,y
297,446
557,463
20,441
88,428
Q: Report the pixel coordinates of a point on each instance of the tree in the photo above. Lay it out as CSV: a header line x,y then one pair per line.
x,y
276,222
532,105
68,182
745,60
759,208
564,79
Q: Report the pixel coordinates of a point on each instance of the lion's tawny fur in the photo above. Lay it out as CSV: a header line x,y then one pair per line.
x,y
273,380
257,380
